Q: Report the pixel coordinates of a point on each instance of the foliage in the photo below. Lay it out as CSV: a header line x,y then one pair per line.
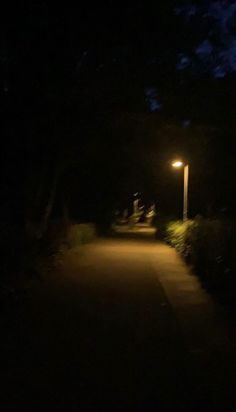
x,y
32,257
79,234
84,136
209,246
161,223
176,235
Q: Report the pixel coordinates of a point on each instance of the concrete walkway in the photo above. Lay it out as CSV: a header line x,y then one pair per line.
x,y
209,334
121,325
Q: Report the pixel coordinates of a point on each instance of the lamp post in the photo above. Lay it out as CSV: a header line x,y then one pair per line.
x,y
179,164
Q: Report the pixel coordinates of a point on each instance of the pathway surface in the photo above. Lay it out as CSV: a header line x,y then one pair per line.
x,y
121,325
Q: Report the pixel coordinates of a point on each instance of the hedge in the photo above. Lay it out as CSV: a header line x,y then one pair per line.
x,y
79,234
209,246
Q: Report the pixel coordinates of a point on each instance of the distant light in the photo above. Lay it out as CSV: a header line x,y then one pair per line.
x,y
177,163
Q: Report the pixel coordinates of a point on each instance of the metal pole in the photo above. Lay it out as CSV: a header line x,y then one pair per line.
x,y
185,205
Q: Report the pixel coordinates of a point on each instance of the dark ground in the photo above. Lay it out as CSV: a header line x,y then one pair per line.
x,y
120,325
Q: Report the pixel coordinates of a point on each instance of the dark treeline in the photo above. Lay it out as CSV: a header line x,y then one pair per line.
x,y
94,109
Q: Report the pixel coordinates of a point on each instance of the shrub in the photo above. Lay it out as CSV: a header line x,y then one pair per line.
x,y
209,246
161,223
177,235
79,234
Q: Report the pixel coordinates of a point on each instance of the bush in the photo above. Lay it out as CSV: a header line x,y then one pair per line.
x,y
177,234
161,223
79,234
209,245
25,256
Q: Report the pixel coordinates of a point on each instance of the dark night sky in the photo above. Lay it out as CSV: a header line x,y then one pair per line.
x,y
113,92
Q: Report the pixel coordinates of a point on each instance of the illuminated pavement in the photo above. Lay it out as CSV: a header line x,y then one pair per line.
x,y
121,326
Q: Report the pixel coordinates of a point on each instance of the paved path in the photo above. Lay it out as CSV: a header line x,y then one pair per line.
x,y
122,325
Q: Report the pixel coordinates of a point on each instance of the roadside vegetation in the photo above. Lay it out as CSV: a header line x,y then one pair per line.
x,y
32,258
208,245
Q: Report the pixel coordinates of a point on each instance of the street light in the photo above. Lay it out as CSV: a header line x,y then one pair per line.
x,y
179,164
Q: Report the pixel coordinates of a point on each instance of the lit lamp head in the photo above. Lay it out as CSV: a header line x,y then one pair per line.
x,y
177,163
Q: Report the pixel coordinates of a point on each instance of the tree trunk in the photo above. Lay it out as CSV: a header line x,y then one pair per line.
x,y
33,207
48,208
65,213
